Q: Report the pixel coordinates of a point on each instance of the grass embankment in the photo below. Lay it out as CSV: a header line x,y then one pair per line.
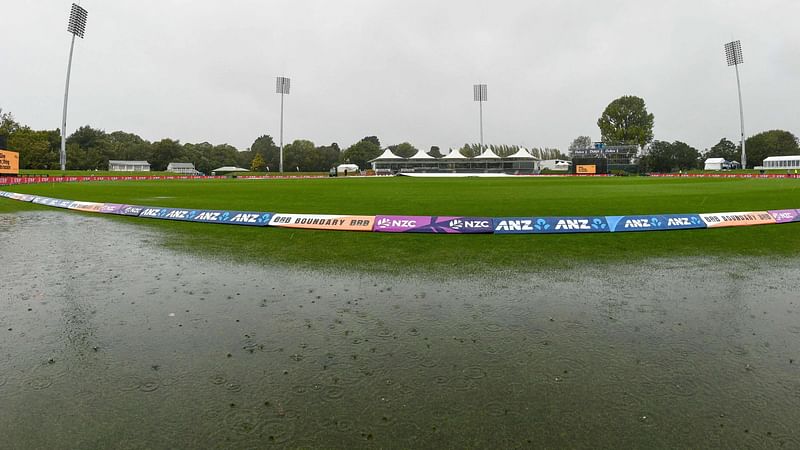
x,y
454,254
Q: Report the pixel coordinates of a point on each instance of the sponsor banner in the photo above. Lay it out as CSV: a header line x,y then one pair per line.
x,y
22,197
257,219
655,223
550,225
513,225
459,225
737,219
9,162
130,210
110,208
586,169
54,202
323,222
86,206
434,224
786,215
402,224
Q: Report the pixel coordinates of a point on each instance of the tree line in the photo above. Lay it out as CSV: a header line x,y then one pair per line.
x,y
90,148
626,121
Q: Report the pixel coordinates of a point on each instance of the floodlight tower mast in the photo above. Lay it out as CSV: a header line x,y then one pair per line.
x,y
733,52
76,26
282,85
479,94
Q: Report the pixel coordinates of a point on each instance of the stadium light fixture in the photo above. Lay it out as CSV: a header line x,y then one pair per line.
x,y
733,53
76,26
479,94
282,85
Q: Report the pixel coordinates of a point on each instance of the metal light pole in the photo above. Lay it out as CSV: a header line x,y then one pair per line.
x,y
479,93
733,52
282,85
76,26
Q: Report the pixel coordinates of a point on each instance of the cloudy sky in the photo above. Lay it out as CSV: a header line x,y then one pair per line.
x,y
402,69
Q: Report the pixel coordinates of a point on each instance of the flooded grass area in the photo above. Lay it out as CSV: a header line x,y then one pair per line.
x,y
110,340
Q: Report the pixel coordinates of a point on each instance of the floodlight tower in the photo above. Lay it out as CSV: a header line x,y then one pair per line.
x,y
76,26
479,94
733,52
282,85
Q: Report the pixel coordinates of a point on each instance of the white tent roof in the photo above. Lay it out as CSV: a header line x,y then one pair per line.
x,y
715,160
387,154
782,158
230,169
522,154
455,154
488,154
422,155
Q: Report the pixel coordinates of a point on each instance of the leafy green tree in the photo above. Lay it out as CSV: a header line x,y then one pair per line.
x,y
404,150
724,149
373,139
361,153
265,146
34,148
7,124
165,151
663,156
626,121
580,143
328,156
770,143
258,164
127,147
435,151
299,154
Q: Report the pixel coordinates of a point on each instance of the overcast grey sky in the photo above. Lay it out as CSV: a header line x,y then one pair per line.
x,y
402,70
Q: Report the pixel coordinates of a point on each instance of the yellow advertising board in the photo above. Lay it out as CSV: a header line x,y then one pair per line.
x,y
586,168
737,219
323,222
9,163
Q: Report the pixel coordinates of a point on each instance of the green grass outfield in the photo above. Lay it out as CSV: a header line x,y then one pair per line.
x,y
450,254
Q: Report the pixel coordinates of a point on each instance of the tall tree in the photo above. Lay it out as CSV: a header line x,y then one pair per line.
x,y
626,121
258,164
361,153
373,139
403,150
770,143
724,149
435,151
663,156
580,143
165,151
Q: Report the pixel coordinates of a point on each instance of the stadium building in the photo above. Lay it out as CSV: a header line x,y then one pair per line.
x,y
520,162
606,158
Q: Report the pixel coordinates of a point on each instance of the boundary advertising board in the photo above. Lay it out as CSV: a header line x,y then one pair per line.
x,y
322,222
9,162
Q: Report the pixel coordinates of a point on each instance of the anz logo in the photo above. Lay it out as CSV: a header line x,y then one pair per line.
x,y
653,222
515,225
573,224
683,221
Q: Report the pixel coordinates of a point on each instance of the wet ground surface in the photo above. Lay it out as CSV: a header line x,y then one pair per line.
x,y
109,341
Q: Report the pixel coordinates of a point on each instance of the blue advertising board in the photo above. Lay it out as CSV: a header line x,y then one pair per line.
x,y
550,225
513,225
249,218
655,222
130,210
